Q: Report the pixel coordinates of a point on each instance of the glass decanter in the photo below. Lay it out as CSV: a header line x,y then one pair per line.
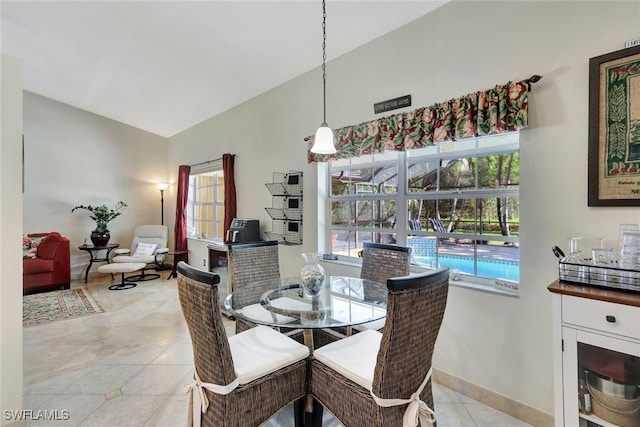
x,y
573,267
312,274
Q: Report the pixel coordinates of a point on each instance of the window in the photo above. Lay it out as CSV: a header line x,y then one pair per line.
x,y
455,204
205,206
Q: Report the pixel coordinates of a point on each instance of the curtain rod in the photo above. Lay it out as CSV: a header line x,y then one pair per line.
x,y
208,161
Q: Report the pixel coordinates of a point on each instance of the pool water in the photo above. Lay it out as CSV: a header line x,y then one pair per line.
x,y
491,268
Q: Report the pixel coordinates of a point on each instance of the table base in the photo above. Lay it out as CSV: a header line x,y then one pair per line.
x,y
123,284
307,412
121,287
142,277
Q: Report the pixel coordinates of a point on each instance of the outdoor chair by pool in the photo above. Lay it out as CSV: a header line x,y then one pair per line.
x,y
373,378
439,227
242,380
414,224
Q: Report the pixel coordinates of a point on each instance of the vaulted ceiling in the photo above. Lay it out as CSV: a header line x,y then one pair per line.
x,y
164,66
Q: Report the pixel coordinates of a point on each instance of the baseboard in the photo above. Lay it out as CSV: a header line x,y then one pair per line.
x,y
495,400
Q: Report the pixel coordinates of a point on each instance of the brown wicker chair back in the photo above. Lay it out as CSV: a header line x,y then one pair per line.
x,y
381,262
249,404
415,309
252,262
198,295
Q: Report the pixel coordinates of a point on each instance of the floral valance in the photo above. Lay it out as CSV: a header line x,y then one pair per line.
x,y
497,110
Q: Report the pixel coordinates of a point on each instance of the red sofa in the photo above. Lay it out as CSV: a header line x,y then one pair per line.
x,y
51,269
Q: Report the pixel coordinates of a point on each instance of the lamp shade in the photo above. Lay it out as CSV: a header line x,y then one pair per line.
x,y
162,186
324,141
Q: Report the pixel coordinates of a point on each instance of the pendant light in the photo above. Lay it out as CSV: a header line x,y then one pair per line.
x,y
324,141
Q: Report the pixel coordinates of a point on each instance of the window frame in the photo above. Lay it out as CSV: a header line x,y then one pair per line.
x,y
472,148
217,187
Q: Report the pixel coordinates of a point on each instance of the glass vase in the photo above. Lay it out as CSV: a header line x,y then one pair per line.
x,y
312,274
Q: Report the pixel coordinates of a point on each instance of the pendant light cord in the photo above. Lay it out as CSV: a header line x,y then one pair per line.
x,y
324,58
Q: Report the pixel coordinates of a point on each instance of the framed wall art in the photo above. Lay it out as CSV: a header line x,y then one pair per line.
x,y
614,129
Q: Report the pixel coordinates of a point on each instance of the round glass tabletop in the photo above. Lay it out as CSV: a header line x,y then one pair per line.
x,y
342,301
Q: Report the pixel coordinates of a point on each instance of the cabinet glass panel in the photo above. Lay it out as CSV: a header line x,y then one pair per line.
x,y
608,387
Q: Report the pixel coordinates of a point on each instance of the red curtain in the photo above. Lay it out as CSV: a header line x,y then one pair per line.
x,y
229,191
180,230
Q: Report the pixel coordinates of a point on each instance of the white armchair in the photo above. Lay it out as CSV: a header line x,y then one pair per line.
x,y
149,246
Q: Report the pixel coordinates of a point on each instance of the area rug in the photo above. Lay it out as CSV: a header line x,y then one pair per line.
x,y
58,305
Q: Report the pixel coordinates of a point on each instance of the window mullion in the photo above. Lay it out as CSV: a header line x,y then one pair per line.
x,y
401,201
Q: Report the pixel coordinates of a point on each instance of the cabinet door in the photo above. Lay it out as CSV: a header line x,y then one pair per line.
x,y
581,348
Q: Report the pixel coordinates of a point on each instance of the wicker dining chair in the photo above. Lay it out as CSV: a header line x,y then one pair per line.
x,y
379,263
246,378
394,364
250,263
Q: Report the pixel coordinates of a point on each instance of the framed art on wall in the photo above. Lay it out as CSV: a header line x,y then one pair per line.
x,y
614,128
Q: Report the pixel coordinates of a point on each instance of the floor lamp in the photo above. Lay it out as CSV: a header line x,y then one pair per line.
x,y
162,187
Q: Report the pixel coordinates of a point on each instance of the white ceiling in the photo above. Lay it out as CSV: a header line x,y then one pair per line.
x,y
164,66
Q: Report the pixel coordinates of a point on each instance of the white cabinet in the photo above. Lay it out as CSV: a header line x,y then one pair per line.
x,y
596,334
208,256
218,264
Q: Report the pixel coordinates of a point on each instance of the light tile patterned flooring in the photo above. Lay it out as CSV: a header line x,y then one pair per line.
x,y
126,367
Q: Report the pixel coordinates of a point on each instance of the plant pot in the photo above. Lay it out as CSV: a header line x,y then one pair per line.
x,y
100,239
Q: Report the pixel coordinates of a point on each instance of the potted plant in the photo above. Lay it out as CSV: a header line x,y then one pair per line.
x,y
102,215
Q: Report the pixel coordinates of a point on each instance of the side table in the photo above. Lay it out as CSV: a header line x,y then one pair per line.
x,y
94,255
177,257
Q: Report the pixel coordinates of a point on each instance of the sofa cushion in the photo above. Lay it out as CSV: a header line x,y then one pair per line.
x,y
37,266
30,246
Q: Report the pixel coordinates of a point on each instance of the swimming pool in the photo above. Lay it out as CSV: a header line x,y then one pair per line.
x,y
492,268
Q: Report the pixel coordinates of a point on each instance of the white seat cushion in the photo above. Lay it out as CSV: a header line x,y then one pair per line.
x,y
121,267
260,351
126,258
354,357
374,326
260,314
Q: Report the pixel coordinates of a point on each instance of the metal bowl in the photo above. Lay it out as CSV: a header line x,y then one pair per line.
x,y
613,388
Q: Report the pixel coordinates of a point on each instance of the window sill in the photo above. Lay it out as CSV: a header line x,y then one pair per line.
x,y
206,240
476,284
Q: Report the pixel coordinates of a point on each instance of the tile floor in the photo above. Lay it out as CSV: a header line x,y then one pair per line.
x,y
126,367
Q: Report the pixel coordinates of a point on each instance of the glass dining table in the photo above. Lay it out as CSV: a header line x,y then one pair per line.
x,y
342,302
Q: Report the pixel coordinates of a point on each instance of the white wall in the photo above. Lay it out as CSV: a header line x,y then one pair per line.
x,y
502,344
11,384
73,157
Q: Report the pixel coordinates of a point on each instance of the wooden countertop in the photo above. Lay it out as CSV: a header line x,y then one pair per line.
x,y
597,293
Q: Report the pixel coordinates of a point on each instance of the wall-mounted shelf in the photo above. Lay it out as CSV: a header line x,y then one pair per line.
x,y
286,208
